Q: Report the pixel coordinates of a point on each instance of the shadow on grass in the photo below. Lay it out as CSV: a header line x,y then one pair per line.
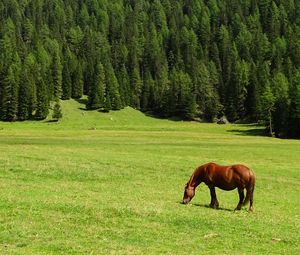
x,y
207,206
171,118
82,100
220,208
52,121
253,130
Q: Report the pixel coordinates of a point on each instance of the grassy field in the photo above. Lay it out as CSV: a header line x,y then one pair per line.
x,y
112,183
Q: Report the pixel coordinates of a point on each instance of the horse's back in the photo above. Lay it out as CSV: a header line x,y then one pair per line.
x,y
243,170
227,177
237,168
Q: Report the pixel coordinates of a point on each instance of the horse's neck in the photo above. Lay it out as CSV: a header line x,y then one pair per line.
x,y
196,178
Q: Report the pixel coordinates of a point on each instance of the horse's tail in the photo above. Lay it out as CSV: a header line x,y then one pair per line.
x,y
250,188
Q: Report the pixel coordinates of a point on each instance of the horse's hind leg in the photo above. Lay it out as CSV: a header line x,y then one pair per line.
x,y
242,196
251,201
214,201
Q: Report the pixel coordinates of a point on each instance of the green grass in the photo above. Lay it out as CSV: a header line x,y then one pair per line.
x,y
111,183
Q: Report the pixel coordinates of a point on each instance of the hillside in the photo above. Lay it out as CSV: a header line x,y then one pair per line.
x,y
76,118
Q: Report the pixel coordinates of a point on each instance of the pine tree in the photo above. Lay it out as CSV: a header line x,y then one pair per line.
x,y
225,59
253,97
77,81
57,112
56,69
42,104
136,87
263,79
268,101
181,102
27,88
206,92
28,31
112,95
97,92
9,62
280,87
10,92
243,43
42,92
205,29
124,84
186,104
66,74
273,21
147,97
264,9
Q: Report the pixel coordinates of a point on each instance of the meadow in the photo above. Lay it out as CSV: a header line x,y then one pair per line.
x,y
112,183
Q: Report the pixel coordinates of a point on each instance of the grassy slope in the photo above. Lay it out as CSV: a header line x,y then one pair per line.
x,y
111,183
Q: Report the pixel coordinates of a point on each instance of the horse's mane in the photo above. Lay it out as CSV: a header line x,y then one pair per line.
x,y
194,176
196,173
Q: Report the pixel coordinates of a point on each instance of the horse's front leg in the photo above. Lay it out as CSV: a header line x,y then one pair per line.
x,y
214,201
241,195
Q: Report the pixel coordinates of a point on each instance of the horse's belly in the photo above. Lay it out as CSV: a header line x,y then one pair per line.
x,y
229,187
225,185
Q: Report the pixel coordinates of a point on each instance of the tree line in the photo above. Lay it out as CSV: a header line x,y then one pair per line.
x,y
184,58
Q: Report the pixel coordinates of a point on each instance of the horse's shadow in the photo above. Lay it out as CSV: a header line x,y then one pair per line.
x,y
207,206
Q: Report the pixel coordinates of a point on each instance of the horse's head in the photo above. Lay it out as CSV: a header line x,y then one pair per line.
x,y
189,193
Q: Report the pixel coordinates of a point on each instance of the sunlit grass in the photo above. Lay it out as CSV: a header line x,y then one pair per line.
x,y
111,183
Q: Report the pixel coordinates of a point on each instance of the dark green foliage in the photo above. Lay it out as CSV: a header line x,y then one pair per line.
x,y
180,99
42,105
267,107
97,91
10,93
56,70
187,59
27,88
77,81
112,90
294,117
280,86
57,113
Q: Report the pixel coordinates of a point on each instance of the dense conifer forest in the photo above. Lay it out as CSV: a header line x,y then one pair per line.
x,y
185,58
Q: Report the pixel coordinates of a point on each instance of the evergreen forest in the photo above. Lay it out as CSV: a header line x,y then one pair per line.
x,y
184,58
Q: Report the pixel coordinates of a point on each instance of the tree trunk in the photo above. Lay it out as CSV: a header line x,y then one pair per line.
x,y
270,123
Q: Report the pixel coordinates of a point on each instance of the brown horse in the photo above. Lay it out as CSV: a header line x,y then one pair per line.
x,y
223,177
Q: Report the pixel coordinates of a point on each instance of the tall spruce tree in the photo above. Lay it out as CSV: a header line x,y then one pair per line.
x,y
66,74
10,92
56,69
280,87
57,112
77,81
27,89
42,104
112,95
268,102
97,91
